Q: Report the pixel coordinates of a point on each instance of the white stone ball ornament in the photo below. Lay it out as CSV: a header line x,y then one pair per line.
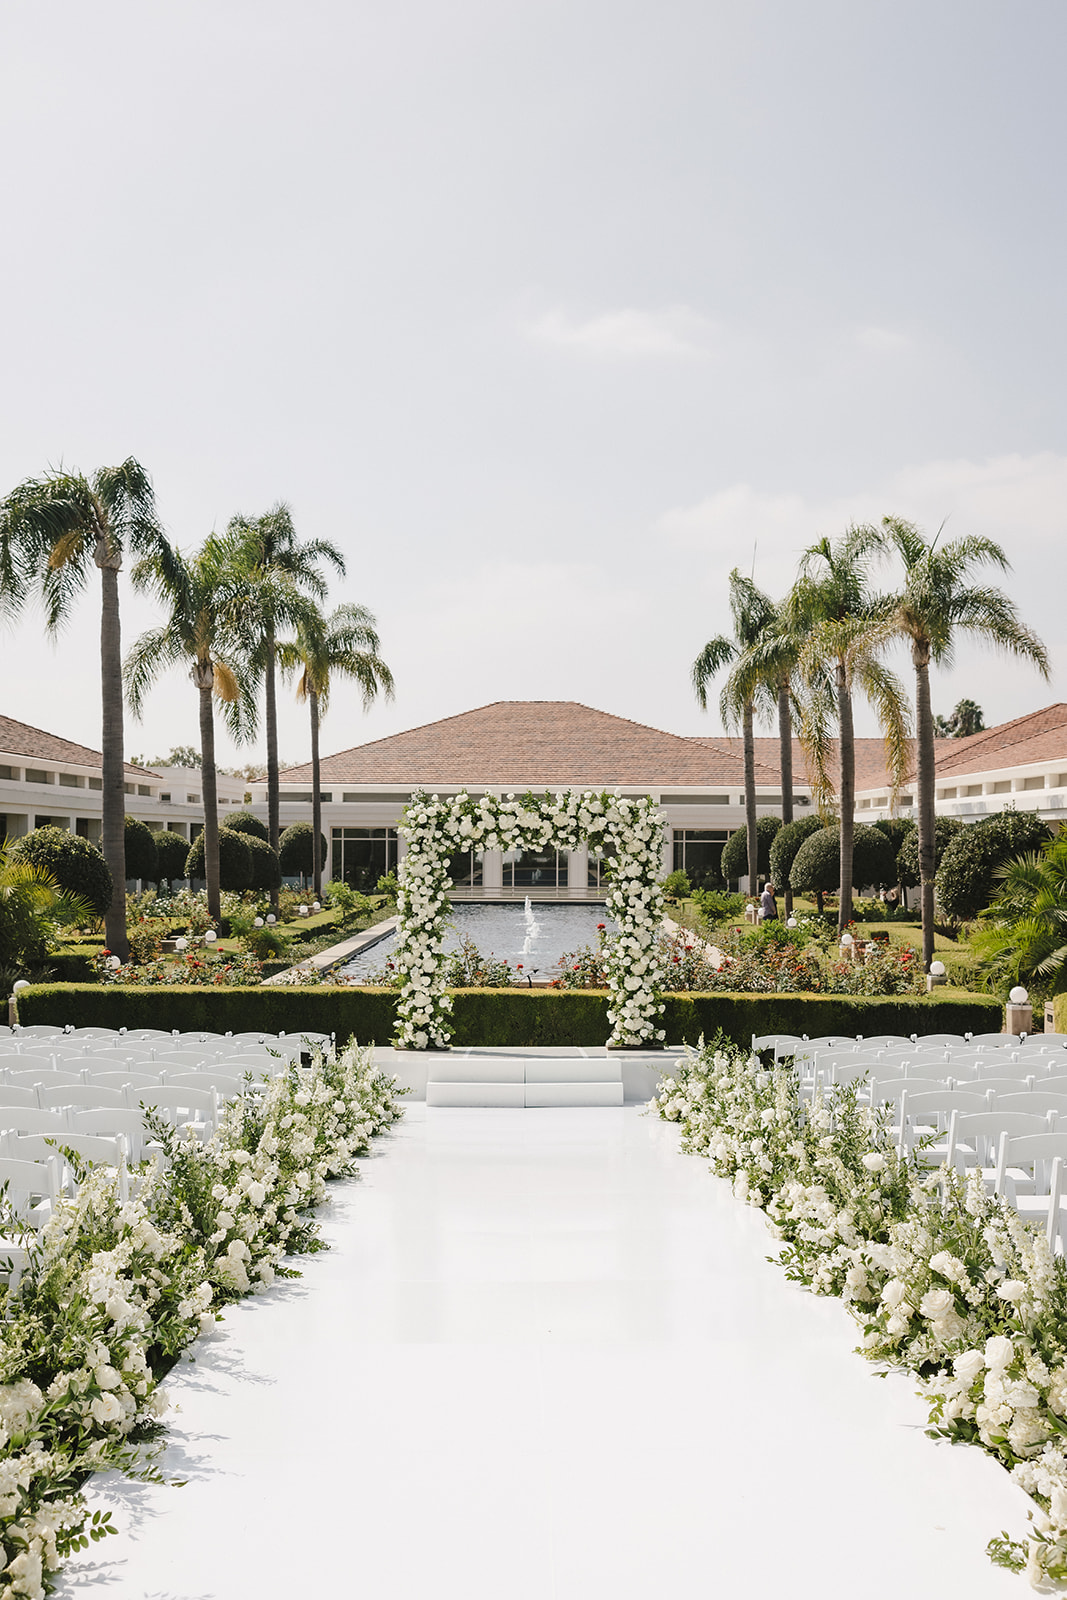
x,y
1019,996
937,969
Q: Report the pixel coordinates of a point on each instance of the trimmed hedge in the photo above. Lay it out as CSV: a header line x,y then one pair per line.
x,y
246,822
235,860
142,857
945,830
74,863
296,850
171,851
966,878
506,1017
817,864
734,863
266,872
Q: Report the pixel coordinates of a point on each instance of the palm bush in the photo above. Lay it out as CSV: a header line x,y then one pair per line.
x,y
1025,939
33,906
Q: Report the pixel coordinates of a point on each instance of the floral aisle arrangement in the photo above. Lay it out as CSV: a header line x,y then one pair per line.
x,y
114,1290
943,1280
626,831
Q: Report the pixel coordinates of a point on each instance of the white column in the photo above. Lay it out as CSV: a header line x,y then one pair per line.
x,y
578,873
493,873
668,850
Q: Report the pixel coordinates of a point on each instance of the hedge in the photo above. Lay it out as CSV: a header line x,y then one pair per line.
x,y
506,1017
1059,1012
76,865
734,863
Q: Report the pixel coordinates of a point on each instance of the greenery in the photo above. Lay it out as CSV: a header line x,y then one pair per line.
x,y
348,902
235,860
817,865
735,859
142,853
965,720
716,906
171,851
966,878
945,830
1025,937
33,907
76,865
296,851
266,868
676,886
467,968
246,822
787,841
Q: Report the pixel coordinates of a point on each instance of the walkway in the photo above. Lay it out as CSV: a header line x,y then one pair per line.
x,y
546,1359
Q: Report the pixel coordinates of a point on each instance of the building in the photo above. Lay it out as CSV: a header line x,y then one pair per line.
x,y
46,779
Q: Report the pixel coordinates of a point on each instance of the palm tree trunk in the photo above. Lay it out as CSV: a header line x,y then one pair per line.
x,y
752,836
273,795
924,739
113,794
785,764
846,794
209,784
316,798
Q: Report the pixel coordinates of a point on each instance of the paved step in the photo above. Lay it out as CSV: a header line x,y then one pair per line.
x,y
524,1095
524,1069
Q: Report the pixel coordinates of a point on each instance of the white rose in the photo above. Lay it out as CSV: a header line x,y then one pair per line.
x,y
893,1293
106,1377
1011,1290
874,1162
936,1303
106,1409
999,1352
968,1364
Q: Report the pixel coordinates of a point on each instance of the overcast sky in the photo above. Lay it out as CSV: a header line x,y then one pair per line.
x,y
548,313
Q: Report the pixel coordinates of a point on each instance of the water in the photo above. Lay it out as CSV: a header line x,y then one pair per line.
x,y
512,933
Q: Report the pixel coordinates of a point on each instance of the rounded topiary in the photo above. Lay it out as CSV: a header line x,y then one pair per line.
x,y
245,822
295,850
74,863
142,857
266,871
966,881
787,841
945,830
171,851
817,865
235,860
735,851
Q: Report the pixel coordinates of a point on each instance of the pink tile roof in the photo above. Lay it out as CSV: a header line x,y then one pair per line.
x,y
20,739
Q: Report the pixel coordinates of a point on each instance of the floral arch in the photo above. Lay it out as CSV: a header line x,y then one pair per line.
x,y
629,830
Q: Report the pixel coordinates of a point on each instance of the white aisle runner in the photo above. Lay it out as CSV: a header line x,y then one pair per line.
x,y
546,1359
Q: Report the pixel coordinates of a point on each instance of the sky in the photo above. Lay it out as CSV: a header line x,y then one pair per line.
x,y
548,314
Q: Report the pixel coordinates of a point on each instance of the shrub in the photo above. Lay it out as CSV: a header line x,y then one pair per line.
x,y
142,856
715,906
817,865
966,880
945,830
171,851
735,850
787,841
75,864
245,822
296,851
266,870
235,860
676,886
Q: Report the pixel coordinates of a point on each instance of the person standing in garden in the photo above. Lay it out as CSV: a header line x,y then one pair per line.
x,y
768,909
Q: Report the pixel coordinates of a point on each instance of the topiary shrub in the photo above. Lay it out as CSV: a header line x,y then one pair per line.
x,y
295,850
74,863
945,829
171,851
735,850
817,865
266,871
245,822
235,860
676,886
787,841
142,856
965,882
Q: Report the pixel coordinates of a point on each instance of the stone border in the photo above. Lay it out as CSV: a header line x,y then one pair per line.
x,y
326,959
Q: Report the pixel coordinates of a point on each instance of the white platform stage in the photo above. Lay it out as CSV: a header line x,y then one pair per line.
x,y
546,1359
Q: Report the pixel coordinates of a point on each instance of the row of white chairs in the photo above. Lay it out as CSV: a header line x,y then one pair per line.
x,y
47,1030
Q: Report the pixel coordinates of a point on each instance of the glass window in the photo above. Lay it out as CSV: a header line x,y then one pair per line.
x,y
363,855
96,783
1002,786
142,788
465,869
70,780
8,772
698,853
35,775
535,869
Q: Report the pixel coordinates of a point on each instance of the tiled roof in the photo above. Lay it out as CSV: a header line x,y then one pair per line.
x,y
19,739
516,743
1038,738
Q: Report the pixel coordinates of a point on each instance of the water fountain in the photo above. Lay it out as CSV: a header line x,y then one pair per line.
x,y
532,932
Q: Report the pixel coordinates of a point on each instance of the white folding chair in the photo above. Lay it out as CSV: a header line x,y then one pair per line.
x,y
226,1087
974,1140
98,1149
1034,1151
993,1041
27,1059
119,1080
32,1189
33,1119
36,1075
196,1108
79,1094
17,1095
111,1121
929,1112
1046,1208
1036,1099
38,1030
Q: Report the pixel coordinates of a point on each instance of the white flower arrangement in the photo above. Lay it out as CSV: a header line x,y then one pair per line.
x,y
113,1286
944,1280
627,830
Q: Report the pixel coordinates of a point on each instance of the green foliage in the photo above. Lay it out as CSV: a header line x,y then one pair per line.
x,y
787,841
735,850
32,908
171,851
75,864
348,901
513,1017
266,869
945,830
235,860
246,822
142,855
467,968
896,829
966,879
296,850
715,906
817,865
1025,939
388,885
676,886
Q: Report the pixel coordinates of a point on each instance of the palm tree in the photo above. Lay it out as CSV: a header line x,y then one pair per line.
x,y
938,602
842,628
1025,932
753,613
53,531
765,672
284,584
203,596
344,644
